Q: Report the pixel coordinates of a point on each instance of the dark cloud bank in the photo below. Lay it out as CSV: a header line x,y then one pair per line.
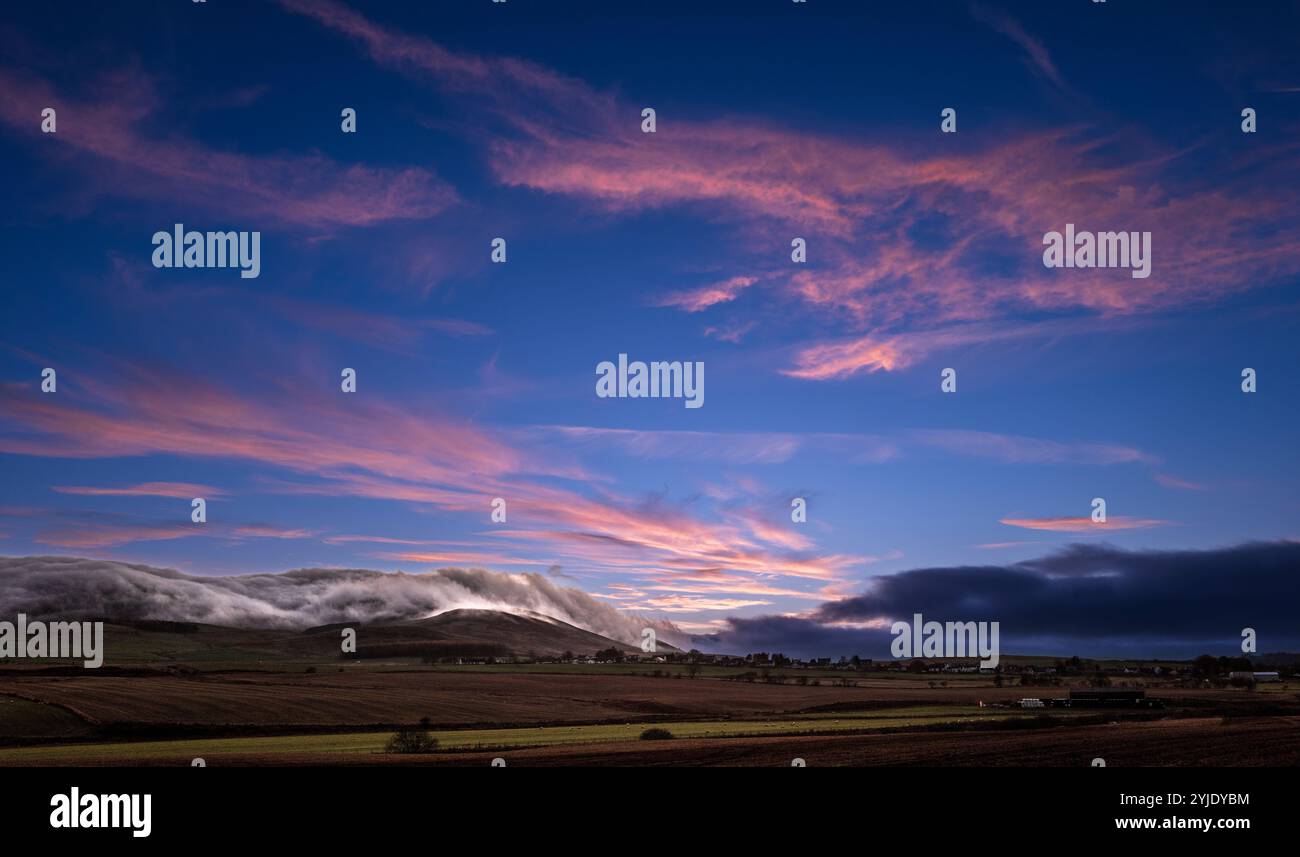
x,y
1088,600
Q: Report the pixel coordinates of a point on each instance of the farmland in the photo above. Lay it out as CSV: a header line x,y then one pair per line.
x,y
877,741
345,716
170,694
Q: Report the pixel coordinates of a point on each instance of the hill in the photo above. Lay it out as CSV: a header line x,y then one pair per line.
x,y
464,633
479,633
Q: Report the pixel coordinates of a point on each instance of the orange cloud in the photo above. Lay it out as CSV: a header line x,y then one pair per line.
x,y
841,360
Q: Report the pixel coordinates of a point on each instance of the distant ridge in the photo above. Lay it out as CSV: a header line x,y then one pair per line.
x,y
481,633
462,633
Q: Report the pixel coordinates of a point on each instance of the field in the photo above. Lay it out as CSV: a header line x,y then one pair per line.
x,y
370,743
536,717
266,698
924,735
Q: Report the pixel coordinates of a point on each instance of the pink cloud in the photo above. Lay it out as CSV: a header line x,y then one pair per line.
x,y
695,300
785,534
731,332
376,450
179,490
263,531
473,559
386,540
1034,49
1170,481
102,132
830,361
101,534
89,530
527,89
839,359
860,203
692,604
1082,525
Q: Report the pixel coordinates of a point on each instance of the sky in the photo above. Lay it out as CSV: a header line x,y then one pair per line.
x,y
476,380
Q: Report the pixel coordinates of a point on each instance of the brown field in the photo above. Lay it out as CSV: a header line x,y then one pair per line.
x,y
363,698
172,692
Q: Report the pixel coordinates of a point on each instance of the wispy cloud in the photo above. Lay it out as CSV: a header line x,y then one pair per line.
x,y
1014,449
379,451
731,447
1083,525
265,531
696,300
836,360
101,134
107,534
388,332
1035,51
181,490
732,332
896,294
778,447
88,528
692,604
1171,481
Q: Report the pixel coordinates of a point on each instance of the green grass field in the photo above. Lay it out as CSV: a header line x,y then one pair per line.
x,y
22,718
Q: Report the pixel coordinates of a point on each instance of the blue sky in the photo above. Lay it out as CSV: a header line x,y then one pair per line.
x,y
477,380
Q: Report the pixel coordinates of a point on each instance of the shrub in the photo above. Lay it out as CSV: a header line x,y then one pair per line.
x,y
411,741
656,734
